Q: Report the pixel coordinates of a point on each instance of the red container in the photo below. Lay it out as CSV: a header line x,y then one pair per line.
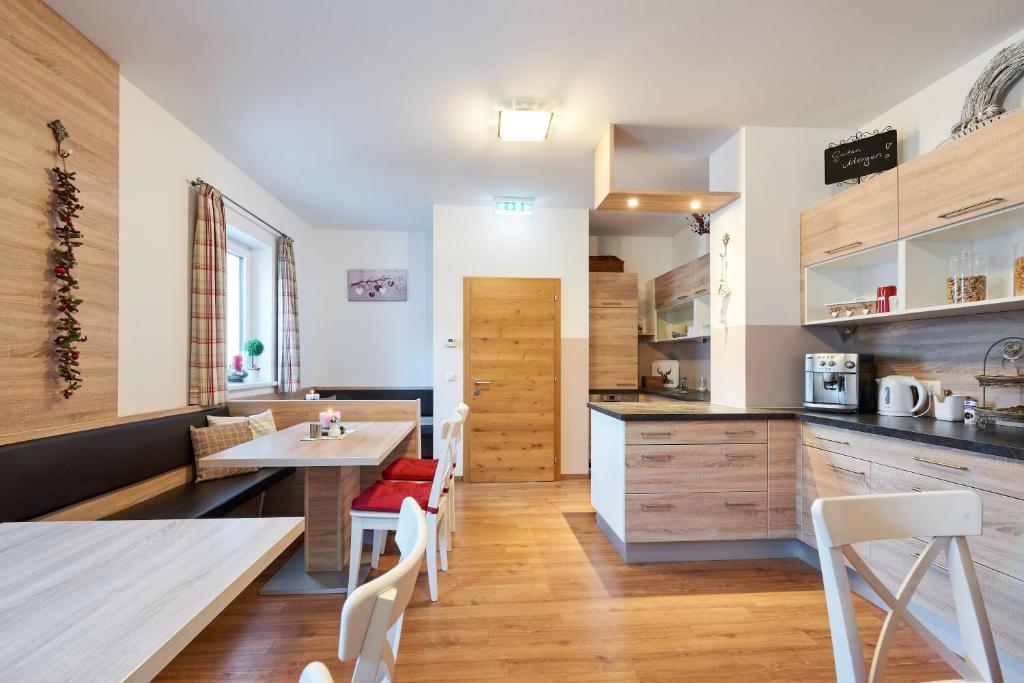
x,y
882,298
237,362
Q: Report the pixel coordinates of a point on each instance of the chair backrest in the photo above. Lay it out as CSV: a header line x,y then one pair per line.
x,y
945,516
371,618
444,464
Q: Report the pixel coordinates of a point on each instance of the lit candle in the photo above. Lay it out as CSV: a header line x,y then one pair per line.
x,y
238,363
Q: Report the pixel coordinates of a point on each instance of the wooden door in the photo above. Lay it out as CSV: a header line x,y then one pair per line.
x,y
613,348
857,218
512,332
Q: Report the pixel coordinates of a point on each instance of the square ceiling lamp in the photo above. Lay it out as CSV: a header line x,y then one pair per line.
x,y
517,125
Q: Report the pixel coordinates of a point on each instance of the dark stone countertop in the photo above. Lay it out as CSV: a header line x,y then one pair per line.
x,y
1006,442
686,410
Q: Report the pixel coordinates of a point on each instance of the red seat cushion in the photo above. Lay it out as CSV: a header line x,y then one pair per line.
x,y
387,496
410,469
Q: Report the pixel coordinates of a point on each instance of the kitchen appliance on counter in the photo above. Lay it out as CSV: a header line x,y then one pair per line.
x,y
839,382
613,396
896,396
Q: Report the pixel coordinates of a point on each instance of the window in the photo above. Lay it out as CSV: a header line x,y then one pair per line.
x,y
250,303
237,323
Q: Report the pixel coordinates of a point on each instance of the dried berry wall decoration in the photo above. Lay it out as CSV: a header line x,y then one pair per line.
x,y
66,207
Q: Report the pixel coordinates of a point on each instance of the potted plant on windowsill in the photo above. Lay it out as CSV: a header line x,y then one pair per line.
x,y
254,349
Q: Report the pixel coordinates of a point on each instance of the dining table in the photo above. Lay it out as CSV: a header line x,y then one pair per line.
x,y
117,600
331,468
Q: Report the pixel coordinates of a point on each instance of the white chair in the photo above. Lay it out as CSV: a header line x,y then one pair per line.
x,y
372,615
463,412
946,517
376,509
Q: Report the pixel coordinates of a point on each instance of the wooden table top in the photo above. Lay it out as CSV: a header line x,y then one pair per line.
x,y
364,443
117,600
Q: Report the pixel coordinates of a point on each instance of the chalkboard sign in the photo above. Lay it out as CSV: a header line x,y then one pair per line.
x,y
860,157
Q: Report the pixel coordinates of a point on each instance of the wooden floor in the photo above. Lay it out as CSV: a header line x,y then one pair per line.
x,y
536,593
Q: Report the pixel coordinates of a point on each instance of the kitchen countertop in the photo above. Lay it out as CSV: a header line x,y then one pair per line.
x,y
1006,442
686,410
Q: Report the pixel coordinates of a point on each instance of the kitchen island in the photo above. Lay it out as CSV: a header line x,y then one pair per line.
x,y
678,481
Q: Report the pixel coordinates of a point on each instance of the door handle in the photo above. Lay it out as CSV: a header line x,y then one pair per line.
x,y
476,386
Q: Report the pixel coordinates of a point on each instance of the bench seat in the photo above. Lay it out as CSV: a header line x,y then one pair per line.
x,y
214,498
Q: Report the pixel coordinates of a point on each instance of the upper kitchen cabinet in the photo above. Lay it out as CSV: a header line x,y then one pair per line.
x,y
608,197
863,216
964,178
688,281
618,290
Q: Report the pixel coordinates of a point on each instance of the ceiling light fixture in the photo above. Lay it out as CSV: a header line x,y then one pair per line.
x,y
518,125
632,202
695,204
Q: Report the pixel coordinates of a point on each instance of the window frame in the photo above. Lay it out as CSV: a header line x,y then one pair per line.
x,y
244,254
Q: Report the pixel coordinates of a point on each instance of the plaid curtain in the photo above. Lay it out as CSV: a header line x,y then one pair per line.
x,y
207,371
287,317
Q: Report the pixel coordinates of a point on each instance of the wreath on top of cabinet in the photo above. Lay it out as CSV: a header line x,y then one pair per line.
x,y
984,102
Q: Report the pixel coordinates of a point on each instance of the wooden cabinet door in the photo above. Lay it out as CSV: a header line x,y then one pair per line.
x,y
700,276
857,218
617,290
613,348
672,287
968,177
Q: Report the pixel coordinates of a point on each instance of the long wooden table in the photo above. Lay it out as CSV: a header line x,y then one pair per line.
x,y
332,473
116,601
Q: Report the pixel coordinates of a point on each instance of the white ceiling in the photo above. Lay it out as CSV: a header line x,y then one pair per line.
x,y
363,114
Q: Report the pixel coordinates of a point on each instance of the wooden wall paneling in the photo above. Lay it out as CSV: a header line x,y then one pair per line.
x,y
115,501
44,432
52,71
949,350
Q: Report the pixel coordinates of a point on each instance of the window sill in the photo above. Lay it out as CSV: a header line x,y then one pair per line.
x,y
240,387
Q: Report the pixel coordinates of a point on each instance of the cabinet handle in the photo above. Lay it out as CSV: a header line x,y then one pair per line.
x,y
740,505
971,207
739,455
658,457
655,435
701,291
841,443
624,384
681,297
655,507
961,468
611,303
836,250
738,432
848,471
938,566
917,489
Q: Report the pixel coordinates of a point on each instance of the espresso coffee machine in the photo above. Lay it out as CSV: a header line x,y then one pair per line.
x,y
839,382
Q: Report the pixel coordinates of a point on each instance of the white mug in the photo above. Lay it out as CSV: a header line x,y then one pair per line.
x,y
950,408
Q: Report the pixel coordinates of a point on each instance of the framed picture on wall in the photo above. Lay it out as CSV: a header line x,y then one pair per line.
x,y
378,285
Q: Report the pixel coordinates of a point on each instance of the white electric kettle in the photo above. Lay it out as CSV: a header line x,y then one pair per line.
x,y
896,396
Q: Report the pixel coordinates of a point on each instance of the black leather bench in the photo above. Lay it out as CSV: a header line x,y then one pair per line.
x,y
45,475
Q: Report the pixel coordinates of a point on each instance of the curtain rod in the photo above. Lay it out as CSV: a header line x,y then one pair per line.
x,y
199,181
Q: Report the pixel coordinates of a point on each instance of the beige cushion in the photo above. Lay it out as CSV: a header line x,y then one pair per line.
x,y
209,440
261,423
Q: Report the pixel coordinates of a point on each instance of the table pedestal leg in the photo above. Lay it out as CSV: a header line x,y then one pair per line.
x,y
320,567
329,495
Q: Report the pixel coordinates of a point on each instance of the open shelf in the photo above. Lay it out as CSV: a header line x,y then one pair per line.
x,y
691,317
918,266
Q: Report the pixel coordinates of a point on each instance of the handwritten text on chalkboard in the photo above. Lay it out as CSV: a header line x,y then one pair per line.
x,y
861,157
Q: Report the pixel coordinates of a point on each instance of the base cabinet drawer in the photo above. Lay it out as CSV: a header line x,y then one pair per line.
x,y
1001,544
696,469
1003,595
827,475
696,517
697,432
1000,475
835,440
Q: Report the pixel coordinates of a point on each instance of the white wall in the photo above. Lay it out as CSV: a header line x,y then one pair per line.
x,y
924,119
471,241
373,343
158,156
